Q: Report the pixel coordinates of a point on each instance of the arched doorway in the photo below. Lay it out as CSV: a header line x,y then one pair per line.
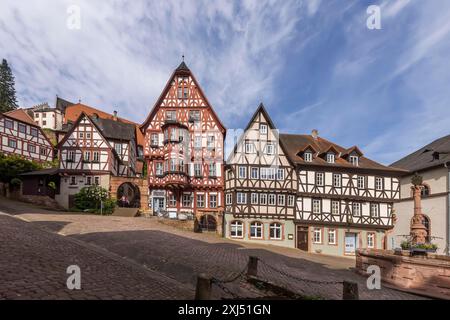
x,y
208,223
128,195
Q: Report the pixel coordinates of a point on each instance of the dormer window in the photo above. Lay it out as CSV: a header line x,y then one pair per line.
x,y
308,156
354,160
331,157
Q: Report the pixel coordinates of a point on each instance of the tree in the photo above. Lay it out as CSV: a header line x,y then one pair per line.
x,y
11,166
8,100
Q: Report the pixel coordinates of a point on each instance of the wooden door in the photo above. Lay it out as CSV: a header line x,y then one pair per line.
x,y
302,238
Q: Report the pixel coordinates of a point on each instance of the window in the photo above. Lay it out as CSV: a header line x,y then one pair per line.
x,y
241,198
354,160
374,210
96,156
275,231
171,115
317,204
335,207
249,147
197,169
88,135
280,174
118,147
71,156
356,209
180,93
213,200
159,168
31,148
236,229
200,200
281,199
44,115
212,170
87,156
272,200
319,178
337,180
97,181
197,142
81,135
254,198
210,142
9,124
194,115
12,143
263,199
256,230
172,200
88,181
173,165
361,182
263,128
34,132
317,235
269,149
330,157
43,151
229,199
254,173
173,134
308,156
242,172
331,236
378,183
290,201
370,240
154,139
22,128
186,200
44,123
73,180
425,191
185,93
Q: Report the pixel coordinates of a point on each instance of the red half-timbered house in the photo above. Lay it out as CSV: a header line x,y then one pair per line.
x,y
20,135
184,144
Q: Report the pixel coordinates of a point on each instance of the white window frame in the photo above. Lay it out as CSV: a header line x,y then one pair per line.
x,y
291,201
272,200
356,209
354,160
332,234
241,198
280,174
242,172
370,240
249,147
200,200
316,206
375,213
361,182
213,201
186,199
308,156
378,183
277,229
281,199
229,199
331,157
317,235
337,180
320,179
269,149
263,128
254,198
236,229
254,172
263,199
257,227
335,207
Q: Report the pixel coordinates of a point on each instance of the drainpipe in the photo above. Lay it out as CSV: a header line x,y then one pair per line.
x,y
447,250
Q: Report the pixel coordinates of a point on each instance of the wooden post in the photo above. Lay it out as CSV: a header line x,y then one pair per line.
x,y
252,269
203,289
350,291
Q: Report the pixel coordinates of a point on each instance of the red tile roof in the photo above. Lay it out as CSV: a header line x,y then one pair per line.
x,y
20,115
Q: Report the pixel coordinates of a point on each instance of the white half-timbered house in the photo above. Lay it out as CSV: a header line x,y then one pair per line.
x,y
344,200
93,150
261,186
20,135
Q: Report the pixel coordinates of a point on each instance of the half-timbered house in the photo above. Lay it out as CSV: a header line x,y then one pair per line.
x,y
184,152
260,186
20,135
344,200
92,151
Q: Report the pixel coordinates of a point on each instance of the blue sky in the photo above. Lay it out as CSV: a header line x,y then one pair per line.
x,y
313,63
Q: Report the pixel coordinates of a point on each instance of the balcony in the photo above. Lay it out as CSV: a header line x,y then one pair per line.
x,y
175,179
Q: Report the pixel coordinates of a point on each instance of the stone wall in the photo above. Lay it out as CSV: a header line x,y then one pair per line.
x,y
187,225
428,275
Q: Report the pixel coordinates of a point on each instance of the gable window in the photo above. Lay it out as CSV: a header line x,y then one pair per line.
x,y
330,157
263,128
96,156
272,201
356,209
378,183
241,198
31,148
290,201
280,174
263,199
22,128
12,143
88,135
317,235
9,124
317,205
197,169
370,240
81,135
186,200
319,179
87,156
171,115
256,230
201,200
212,170
242,172
71,156
154,139
361,182
43,151
354,160
335,207
34,132
118,147
337,178
249,148
254,198
281,199
210,142
374,210
194,116
331,236
213,200
229,199
308,156
254,173
269,149
236,229
197,142
275,231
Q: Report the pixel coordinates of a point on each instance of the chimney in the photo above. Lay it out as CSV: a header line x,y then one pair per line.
x,y
315,134
115,115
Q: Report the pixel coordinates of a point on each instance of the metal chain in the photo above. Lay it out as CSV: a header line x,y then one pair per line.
x,y
225,289
298,278
240,274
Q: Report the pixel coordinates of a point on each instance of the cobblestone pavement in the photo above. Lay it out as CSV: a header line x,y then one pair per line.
x,y
182,255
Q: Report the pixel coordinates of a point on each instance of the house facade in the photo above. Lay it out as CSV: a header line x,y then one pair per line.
x,y
432,163
20,135
183,150
47,117
92,152
260,186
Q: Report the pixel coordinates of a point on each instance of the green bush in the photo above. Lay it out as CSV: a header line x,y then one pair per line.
x,y
16,182
89,199
52,185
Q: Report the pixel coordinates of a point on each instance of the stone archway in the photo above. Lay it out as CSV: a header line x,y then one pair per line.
x,y
140,184
128,195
